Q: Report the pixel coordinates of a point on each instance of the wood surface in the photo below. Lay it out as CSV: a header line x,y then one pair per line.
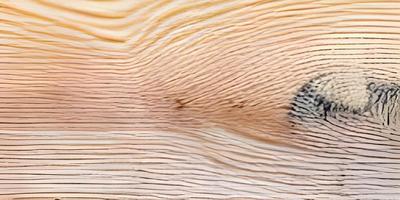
x,y
199,99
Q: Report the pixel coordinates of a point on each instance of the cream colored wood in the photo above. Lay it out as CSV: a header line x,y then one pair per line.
x,y
191,99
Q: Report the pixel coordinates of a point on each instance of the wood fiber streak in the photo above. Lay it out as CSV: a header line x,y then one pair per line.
x,y
187,99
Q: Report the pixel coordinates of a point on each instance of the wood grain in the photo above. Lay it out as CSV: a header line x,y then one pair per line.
x,y
182,99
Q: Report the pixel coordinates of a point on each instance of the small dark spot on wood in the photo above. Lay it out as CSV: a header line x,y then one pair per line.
x,y
239,104
180,104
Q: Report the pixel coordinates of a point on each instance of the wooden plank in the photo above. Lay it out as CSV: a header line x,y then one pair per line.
x,y
238,99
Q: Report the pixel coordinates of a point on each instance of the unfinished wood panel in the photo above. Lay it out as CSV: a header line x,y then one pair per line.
x,y
159,99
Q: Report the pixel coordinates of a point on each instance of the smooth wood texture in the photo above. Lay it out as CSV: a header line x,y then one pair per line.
x,y
181,99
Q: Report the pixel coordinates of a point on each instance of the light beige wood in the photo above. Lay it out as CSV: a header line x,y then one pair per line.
x,y
187,99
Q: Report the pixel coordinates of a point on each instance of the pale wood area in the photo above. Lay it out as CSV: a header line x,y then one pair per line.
x,y
189,99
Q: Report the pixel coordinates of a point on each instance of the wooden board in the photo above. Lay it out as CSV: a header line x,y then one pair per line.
x,y
182,99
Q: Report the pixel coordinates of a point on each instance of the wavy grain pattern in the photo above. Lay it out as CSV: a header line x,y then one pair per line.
x,y
185,99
